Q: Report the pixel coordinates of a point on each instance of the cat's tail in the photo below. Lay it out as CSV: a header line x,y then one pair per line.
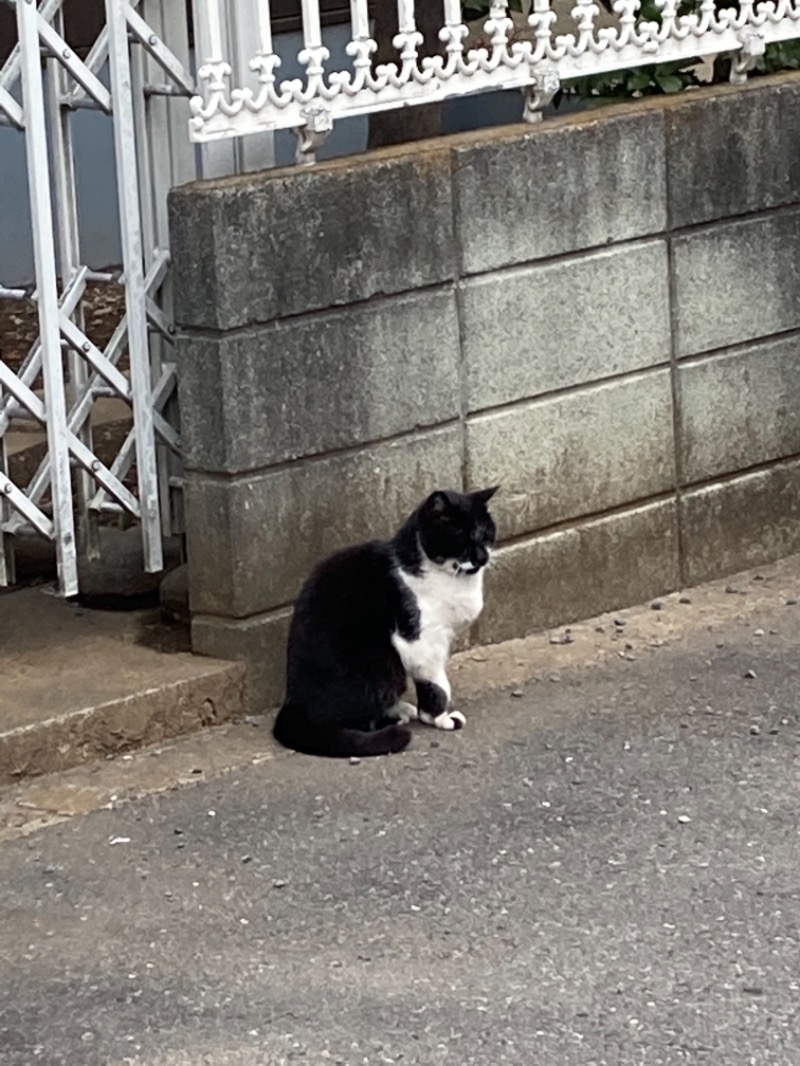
x,y
293,729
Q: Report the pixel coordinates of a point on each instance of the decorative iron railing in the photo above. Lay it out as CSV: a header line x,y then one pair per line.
x,y
532,57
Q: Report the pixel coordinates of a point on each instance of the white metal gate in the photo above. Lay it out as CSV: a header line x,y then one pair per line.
x,y
130,74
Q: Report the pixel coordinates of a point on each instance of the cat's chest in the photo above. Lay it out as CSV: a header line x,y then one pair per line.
x,y
446,601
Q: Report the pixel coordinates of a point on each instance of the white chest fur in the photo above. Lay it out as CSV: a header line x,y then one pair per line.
x,y
447,602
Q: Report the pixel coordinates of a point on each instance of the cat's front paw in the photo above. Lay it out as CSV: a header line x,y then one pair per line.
x,y
445,720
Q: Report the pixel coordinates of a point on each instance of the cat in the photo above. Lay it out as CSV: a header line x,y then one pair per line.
x,y
372,616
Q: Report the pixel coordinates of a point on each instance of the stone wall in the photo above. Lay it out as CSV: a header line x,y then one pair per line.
x,y
601,313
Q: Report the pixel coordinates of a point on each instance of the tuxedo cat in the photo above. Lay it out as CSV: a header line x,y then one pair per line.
x,y
371,617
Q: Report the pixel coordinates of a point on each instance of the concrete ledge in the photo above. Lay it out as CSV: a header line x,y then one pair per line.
x,y
747,521
716,163
580,571
112,691
260,642
739,410
525,197
317,383
271,244
255,539
576,454
515,345
748,270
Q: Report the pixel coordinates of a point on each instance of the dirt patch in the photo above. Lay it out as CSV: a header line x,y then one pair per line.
x,y
103,305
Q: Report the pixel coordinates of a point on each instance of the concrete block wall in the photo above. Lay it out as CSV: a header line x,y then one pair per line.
x,y
601,313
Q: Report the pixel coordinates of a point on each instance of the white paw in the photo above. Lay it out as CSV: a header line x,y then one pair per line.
x,y
449,720
406,712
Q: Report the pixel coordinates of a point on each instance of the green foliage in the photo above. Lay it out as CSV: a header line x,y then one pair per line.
x,y
781,55
476,9
636,81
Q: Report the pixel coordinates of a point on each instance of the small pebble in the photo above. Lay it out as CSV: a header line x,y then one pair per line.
x,y
354,760
620,622
791,603
758,632
750,674
773,632
685,599
563,638
247,858
684,819
755,730
657,605
517,693
753,990
279,884
731,588
435,744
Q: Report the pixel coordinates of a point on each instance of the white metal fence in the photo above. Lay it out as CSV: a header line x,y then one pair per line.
x,y
130,74
527,54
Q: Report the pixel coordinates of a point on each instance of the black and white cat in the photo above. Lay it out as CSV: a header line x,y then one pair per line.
x,y
371,617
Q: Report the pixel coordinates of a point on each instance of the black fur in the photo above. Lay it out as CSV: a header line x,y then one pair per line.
x,y
430,698
344,676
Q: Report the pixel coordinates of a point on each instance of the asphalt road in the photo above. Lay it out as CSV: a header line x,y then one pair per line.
x,y
603,869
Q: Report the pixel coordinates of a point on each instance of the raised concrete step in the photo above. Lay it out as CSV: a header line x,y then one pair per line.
x,y
78,684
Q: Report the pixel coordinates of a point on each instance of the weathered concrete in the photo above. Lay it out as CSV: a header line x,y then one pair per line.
x,y
253,249
740,410
719,267
717,165
522,197
598,869
118,576
515,345
755,519
173,595
575,572
570,454
255,398
78,684
259,641
547,298
256,538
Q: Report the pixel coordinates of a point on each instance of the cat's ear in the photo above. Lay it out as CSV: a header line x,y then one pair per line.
x,y
437,503
482,496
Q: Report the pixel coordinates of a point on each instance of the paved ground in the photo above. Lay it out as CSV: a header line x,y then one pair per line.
x,y
603,868
78,683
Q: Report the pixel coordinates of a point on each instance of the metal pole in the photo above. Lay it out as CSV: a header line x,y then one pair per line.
x,y
47,296
135,291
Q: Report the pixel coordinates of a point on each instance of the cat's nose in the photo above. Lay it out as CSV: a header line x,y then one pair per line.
x,y
480,557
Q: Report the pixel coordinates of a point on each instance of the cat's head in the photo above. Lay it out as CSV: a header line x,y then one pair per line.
x,y
456,530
